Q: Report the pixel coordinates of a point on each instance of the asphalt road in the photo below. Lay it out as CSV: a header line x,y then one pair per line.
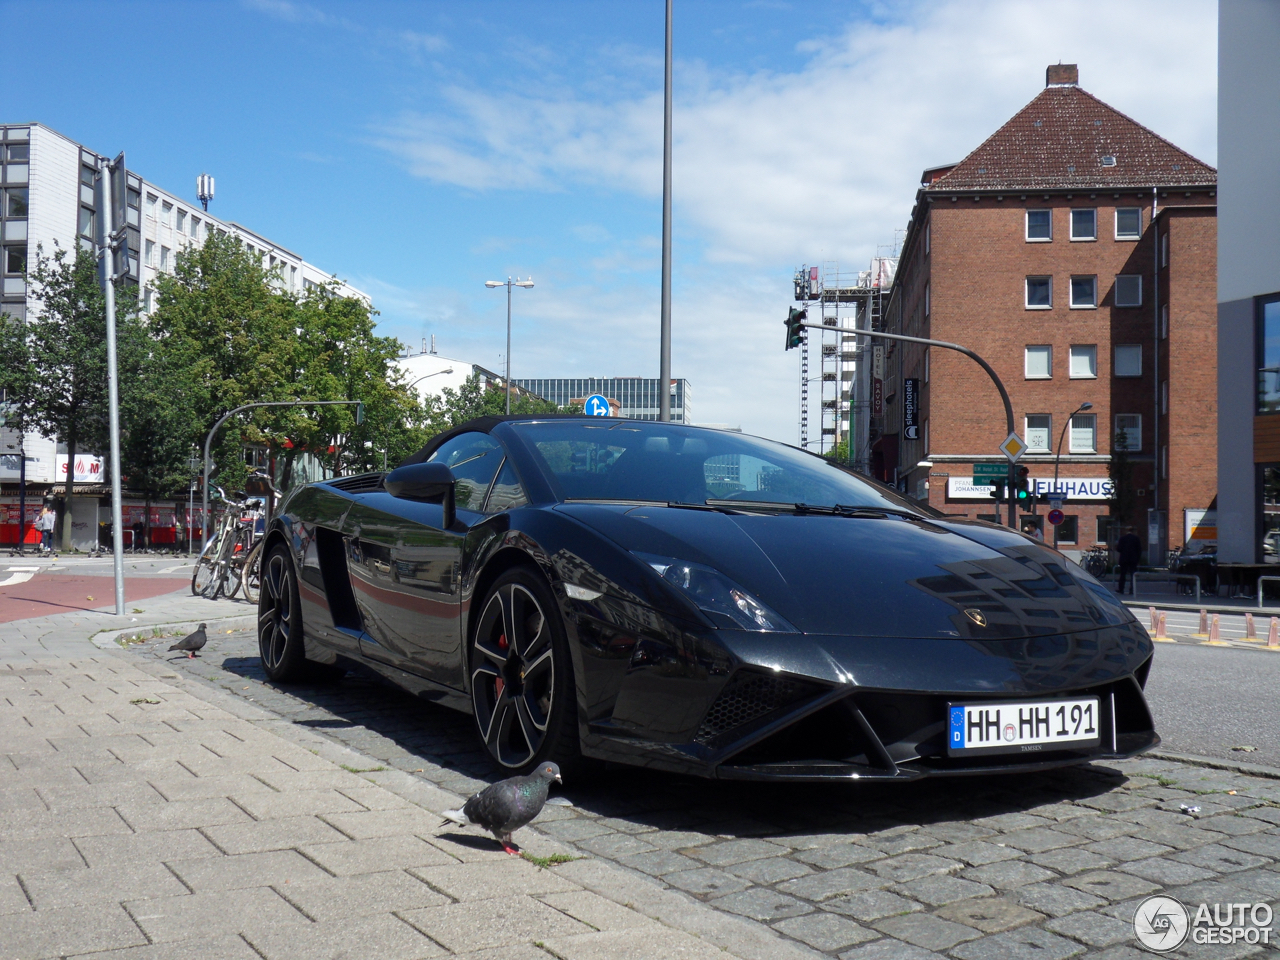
x,y
1207,700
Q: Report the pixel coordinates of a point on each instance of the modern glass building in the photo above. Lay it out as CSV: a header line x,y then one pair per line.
x,y
636,396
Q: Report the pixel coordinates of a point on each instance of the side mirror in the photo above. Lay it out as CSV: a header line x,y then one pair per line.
x,y
427,482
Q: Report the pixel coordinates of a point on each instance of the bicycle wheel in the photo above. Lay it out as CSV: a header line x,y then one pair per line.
x,y
251,582
204,579
236,563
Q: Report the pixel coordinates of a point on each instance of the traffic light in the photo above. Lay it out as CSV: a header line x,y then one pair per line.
x,y
1022,493
795,332
998,492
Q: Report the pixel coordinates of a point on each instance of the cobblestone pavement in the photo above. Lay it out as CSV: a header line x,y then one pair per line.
x,y
1047,866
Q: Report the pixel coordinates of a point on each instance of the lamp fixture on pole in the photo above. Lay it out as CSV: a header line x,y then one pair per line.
x,y
1058,459
509,283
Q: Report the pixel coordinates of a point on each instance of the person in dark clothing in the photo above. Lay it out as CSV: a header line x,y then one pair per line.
x,y
1129,547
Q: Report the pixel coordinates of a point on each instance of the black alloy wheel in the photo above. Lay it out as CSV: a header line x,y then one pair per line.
x,y
280,618
521,679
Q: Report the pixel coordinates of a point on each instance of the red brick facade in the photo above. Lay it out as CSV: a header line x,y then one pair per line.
x,y
972,272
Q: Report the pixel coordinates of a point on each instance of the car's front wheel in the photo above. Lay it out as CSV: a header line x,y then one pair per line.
x,y
522,689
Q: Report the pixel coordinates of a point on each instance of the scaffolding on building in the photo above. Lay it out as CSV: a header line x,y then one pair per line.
x,y
843,394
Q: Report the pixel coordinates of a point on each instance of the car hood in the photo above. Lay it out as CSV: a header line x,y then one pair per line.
x,y
875,577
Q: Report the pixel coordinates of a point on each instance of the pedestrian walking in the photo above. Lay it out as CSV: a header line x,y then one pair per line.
x,y
45,524
1129,548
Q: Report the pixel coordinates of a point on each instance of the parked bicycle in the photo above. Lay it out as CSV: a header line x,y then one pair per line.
x,y
259,485
219,571
1095,560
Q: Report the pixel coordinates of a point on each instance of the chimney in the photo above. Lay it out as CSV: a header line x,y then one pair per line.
x,y
1062,75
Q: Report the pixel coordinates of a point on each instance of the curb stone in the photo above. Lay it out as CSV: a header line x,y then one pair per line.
x,y
739,937
113,639
1234,766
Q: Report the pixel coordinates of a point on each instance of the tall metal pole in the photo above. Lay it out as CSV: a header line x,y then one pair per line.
x,y
113,385
664,363
509,345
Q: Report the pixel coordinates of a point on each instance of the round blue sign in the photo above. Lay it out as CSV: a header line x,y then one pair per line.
x,y
596,406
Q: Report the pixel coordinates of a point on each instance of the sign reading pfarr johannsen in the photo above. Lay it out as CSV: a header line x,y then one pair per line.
x,y
1069,488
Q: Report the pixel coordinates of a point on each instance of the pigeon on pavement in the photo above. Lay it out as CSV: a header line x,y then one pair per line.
x,y
504,807
192,642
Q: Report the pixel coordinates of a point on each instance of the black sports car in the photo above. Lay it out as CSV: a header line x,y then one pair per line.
x,y
700,601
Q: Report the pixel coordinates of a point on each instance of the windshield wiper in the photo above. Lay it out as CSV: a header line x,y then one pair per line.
x,y
837,510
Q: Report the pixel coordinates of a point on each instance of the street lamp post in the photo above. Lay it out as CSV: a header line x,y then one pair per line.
x,y
429,375
509,283
1062,436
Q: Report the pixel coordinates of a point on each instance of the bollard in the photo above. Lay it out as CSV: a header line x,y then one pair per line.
x,y
1214,636
1273,635
1204,623
1155,623
1250,631
1162,631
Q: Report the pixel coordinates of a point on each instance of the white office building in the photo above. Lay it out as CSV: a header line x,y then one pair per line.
x,y
47,200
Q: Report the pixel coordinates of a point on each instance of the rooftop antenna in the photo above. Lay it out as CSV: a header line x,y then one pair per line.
x,y
204,190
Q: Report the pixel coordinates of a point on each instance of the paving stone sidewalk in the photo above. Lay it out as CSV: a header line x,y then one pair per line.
x,y
143,816
1047,866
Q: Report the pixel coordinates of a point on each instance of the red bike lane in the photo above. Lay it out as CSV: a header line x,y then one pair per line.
x,y
47,594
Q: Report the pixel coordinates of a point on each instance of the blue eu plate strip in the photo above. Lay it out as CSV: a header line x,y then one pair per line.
x,y
957,726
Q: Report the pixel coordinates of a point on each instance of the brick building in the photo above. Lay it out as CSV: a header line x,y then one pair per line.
x,y
1039,251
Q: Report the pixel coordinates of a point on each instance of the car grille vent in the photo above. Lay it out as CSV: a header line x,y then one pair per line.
x,y
362,483
749,696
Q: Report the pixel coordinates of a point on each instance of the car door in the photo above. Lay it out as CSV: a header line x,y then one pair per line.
x,y
405,565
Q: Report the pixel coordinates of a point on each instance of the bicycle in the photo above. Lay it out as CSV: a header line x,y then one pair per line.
x,y
251,582
1094,561
219,570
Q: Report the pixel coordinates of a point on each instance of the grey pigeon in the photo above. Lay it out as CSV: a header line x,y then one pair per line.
x,y
192,642
504,807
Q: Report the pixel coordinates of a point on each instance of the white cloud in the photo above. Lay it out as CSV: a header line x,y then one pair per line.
x,y
773,169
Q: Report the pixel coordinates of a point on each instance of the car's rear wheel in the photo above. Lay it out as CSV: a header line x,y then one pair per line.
x,y
522,689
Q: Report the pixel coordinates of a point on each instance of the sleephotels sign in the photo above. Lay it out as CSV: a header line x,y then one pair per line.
x,y
1069,488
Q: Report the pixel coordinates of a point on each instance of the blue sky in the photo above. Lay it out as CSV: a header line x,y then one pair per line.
x,y
419,149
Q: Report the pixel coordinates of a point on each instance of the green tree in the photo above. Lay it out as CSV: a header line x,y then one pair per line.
x,y
55,367
472,400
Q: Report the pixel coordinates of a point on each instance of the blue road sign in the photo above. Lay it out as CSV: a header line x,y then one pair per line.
x,y
596,406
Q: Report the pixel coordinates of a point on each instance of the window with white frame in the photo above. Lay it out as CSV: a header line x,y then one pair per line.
x,y
1039,226
1128,360
1084,361
164,258
1039,293
195,227
1129,290
151,206
1128,223
1039,432
182,221
1128,432
166,214
150,249
1084,433
1039,362
1084,293
1084,224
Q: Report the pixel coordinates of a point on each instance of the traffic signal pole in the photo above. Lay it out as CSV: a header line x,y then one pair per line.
x,y
1004,394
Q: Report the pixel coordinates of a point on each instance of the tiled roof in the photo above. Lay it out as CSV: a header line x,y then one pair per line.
x,y
1060,139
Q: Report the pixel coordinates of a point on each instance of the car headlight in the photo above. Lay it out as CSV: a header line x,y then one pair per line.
x,y
726,603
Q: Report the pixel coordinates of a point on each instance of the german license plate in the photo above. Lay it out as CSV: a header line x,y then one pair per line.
x,y
1022,726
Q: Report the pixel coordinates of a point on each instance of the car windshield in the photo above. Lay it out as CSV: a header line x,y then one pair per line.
x,y
668,463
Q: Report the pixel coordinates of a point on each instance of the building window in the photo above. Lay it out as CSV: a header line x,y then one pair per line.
x,y
147,297
1068,530
1268,351
1164,250
926,436
926,299
19,152
1164,462
1084,224
1129,290
195,227
166,214
1128,432
1104,529
1084,433
926,349
182,221
87,175
151,206
1164,321
164,258
1084,361
1164,397
150,249
1039,432
1039,293
926,238
16,202
15,260
1039,362
1039,226
86,222
1128,223
1084,293
1128,361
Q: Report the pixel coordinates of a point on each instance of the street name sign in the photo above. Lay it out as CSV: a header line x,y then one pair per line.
x,y
990,469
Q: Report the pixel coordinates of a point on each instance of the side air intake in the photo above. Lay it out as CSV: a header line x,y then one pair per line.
x,y
361,483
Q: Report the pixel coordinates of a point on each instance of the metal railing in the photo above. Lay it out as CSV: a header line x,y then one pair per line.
x,y
1166,578
1260,582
